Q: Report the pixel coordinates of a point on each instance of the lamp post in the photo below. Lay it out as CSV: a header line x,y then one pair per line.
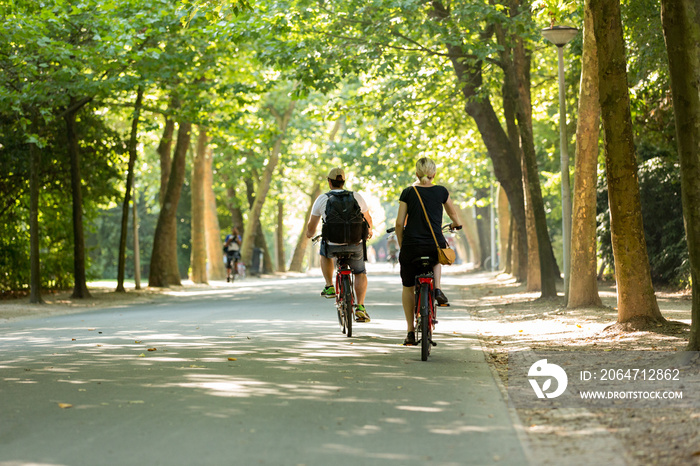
x,y
560,36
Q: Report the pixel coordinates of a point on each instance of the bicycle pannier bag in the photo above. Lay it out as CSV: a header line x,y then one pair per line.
x,y
344,222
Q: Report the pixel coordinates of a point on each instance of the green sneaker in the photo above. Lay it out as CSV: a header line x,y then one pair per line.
x,y
328,292
361,314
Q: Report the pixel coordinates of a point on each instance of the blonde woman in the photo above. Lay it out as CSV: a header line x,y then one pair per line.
x,y
415,238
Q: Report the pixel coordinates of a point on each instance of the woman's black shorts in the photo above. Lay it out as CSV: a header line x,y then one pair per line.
x,y
409,269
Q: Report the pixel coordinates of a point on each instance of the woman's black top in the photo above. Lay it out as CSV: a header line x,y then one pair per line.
x,y
416,231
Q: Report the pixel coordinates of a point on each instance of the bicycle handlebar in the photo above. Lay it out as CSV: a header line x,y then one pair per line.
x,y
444,228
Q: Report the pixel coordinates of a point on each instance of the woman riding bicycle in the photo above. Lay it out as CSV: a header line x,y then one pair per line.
x,y
415,238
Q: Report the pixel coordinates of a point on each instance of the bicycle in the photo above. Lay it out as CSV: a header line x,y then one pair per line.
x,y
344,290
233,266
425,302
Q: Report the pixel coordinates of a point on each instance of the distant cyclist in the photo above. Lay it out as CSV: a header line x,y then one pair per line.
x,y
232,248
342,211
414,236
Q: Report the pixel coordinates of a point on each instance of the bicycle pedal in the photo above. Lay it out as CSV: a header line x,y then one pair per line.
x,y
444,305
433,343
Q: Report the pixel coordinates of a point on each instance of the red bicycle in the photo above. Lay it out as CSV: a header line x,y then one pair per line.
x,y
344,290
425,302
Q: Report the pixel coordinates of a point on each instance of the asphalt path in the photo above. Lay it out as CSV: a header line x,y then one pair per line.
x,y
254,373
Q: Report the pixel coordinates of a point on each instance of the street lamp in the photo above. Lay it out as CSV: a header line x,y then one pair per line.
x,y
560,36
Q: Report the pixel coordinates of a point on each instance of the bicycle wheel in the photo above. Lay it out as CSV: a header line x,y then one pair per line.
x,y
347,304
426,334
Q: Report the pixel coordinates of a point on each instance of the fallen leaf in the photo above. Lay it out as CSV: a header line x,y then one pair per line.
x,y
72,339
520,331
152,349
136,402
142,355
65,405
232,359
578,325
137,342
91,330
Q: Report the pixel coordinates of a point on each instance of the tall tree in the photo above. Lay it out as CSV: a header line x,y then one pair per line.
x,y
212,230
35,263
133,140
279,237
681,22
635,293
517,72
506,167
300,250
164,270
199,244
583,289
282,120
80,289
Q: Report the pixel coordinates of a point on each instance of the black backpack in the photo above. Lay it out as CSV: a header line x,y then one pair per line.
x,y
344,221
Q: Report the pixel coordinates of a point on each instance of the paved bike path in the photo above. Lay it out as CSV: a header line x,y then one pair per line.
x,y
257,373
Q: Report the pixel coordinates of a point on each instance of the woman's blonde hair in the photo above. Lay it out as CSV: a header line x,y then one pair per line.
x,y
425,169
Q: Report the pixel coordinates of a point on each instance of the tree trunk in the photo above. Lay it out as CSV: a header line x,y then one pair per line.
x,y
510,104
504,223
281,262
636,299
681,22
506,167
259,241
34,259
80,290
482,228
234,208
133,140
299,251
471,233
583,289
137,247
164,150
264,185
164,270
215,264
199,244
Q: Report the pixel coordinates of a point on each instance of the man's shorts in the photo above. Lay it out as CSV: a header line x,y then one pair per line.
x,y
356,260
231,257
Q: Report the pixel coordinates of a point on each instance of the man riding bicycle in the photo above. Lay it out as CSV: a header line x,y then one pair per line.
x,y
337,207
232,248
